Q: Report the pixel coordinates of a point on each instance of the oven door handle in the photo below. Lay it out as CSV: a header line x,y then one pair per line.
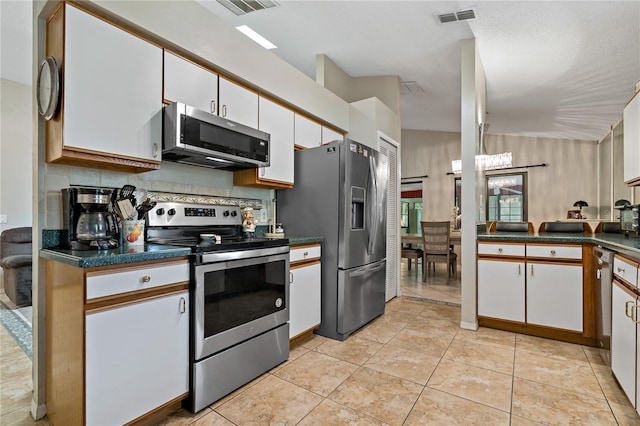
x,y
242,254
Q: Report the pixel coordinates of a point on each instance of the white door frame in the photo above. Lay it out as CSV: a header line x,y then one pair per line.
x,y
386,138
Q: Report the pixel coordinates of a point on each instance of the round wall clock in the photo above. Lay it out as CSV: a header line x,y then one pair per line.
x,y
48,88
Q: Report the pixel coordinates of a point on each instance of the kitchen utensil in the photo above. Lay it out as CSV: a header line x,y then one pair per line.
x,y
127,211
127,191
145,207
140,194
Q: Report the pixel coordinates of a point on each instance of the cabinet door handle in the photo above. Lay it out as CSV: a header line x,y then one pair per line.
x,y
634,314
146,279
553,252
620,270
627,310
213,107
500,250
305,254
155,150
532,270
224,110
290,277
183,305
519,269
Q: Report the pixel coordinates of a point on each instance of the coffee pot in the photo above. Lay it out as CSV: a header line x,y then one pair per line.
x,y
88,219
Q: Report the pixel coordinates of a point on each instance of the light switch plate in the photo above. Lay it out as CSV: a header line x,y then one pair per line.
x,y
3,218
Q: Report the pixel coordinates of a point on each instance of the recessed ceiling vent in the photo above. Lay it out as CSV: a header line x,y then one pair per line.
x,y
242,7
410,88
463,15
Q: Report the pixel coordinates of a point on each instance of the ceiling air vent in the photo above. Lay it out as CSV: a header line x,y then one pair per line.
x,y
410,88
465,14
462,15
242,7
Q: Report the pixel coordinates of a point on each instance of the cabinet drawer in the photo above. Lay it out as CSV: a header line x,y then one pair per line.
x,y
554,251
626,270
501,249
304,253
100,284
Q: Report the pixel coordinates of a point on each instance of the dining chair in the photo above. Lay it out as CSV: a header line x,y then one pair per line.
x,y
436,247
412,253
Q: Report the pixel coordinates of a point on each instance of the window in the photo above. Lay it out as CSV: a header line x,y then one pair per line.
x,y
507,197
411,207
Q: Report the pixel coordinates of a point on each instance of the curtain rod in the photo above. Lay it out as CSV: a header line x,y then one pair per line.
x,y
414,177
511,168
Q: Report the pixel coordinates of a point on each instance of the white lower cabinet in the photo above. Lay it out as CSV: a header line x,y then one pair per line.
x,y
137,358
623,339
501,287
554,295
304,289
304,296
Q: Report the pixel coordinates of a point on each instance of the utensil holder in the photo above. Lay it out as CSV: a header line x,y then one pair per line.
x,y
133,232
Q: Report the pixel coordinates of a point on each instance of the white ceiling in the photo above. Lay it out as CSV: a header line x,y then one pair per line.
x,y
553,68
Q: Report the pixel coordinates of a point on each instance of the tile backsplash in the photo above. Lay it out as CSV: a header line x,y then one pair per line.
x,y
171,177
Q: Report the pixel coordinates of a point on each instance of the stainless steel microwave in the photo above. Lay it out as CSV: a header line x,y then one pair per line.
x,y
629,218
200,138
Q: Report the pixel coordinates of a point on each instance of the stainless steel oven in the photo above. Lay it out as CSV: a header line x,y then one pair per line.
x,y
240,319
239,297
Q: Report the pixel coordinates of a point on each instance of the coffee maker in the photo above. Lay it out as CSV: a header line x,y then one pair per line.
x,y
89,223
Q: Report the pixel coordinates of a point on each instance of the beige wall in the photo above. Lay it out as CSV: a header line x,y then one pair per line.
x,y
552,190
353,89
16,175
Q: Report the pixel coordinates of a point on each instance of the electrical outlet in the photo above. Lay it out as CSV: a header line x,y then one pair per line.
x,y
3,218
263,215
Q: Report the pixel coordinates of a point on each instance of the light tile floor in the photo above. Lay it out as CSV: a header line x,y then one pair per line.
x,y
438,287
411,366
415,366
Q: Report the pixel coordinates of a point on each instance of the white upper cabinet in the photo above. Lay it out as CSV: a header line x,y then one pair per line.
x,y
632,141
307,133
238,103
278,122
190,84
112,90
329,135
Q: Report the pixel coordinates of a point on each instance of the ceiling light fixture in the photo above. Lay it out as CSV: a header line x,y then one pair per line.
x,y
256,37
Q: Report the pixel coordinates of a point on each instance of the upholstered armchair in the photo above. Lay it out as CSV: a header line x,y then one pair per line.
x,y
15,259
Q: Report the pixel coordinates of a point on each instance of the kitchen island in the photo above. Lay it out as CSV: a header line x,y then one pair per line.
x,y
544,284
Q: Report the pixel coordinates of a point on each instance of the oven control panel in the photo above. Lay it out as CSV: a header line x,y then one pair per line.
x,y
187,214
199,211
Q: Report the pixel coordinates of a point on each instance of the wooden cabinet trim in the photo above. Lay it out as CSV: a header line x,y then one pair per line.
x,y
250,177
307,262
502,258
129,298
104,270
64,347
304,245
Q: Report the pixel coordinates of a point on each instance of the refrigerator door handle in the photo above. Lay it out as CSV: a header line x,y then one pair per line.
x,y
373,211
368,269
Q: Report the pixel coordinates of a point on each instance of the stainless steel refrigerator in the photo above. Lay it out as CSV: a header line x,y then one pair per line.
x,y
340,193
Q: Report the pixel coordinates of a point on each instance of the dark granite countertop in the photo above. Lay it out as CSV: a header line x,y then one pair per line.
x,y
304,240
616,242
131,254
